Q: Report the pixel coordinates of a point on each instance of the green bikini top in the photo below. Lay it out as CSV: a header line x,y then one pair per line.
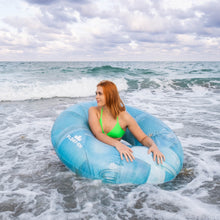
x,y
116,132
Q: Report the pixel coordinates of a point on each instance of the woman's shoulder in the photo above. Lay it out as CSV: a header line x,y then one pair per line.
x,y
94,110
127,118
125,115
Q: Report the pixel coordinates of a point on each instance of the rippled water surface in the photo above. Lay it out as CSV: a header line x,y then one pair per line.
x,y
34,184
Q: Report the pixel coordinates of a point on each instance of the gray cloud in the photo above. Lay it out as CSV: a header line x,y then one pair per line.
x,y
167,38
57,17
48,2
211,14
41,2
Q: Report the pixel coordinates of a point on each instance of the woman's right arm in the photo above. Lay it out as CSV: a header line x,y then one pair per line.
x,y
97,131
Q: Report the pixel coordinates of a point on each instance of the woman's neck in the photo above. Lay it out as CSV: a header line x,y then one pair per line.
x,y
106,110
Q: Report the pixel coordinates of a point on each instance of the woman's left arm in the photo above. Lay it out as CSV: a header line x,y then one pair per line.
x,y
143,138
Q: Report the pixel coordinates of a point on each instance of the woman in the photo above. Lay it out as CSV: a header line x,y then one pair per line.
x,y
109,120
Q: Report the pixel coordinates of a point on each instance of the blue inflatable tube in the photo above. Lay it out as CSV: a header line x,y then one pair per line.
x,y
86,156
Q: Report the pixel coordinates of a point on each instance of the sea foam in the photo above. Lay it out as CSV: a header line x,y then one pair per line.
x,y
83,87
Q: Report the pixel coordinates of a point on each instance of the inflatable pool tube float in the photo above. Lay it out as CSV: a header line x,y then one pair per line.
x,y
86,156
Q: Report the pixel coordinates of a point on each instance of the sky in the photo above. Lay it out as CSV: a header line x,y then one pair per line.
x,y
109,30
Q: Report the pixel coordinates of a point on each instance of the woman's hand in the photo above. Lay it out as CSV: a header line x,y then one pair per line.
x,y
125,151
156,153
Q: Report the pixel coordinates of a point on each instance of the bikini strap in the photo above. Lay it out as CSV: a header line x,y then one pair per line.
x,y
100,120
101,112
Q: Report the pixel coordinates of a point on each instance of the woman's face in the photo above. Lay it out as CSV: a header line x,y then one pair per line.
x,y
100,97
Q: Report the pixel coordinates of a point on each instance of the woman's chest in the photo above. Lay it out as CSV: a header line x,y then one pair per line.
x,y
109,123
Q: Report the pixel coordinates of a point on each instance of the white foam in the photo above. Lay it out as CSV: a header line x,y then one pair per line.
x,y
83,87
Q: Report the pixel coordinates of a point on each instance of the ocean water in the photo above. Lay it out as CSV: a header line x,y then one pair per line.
x,y
34,184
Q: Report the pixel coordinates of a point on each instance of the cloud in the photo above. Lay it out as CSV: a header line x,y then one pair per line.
x,y
48,2
210,14
41,2
121,29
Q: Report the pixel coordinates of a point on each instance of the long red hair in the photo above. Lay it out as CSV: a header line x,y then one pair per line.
x,y
112,98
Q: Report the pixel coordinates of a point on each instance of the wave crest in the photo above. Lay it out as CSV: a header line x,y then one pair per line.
x,y
83,87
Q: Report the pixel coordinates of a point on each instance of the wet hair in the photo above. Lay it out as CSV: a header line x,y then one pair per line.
x,y
112,98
